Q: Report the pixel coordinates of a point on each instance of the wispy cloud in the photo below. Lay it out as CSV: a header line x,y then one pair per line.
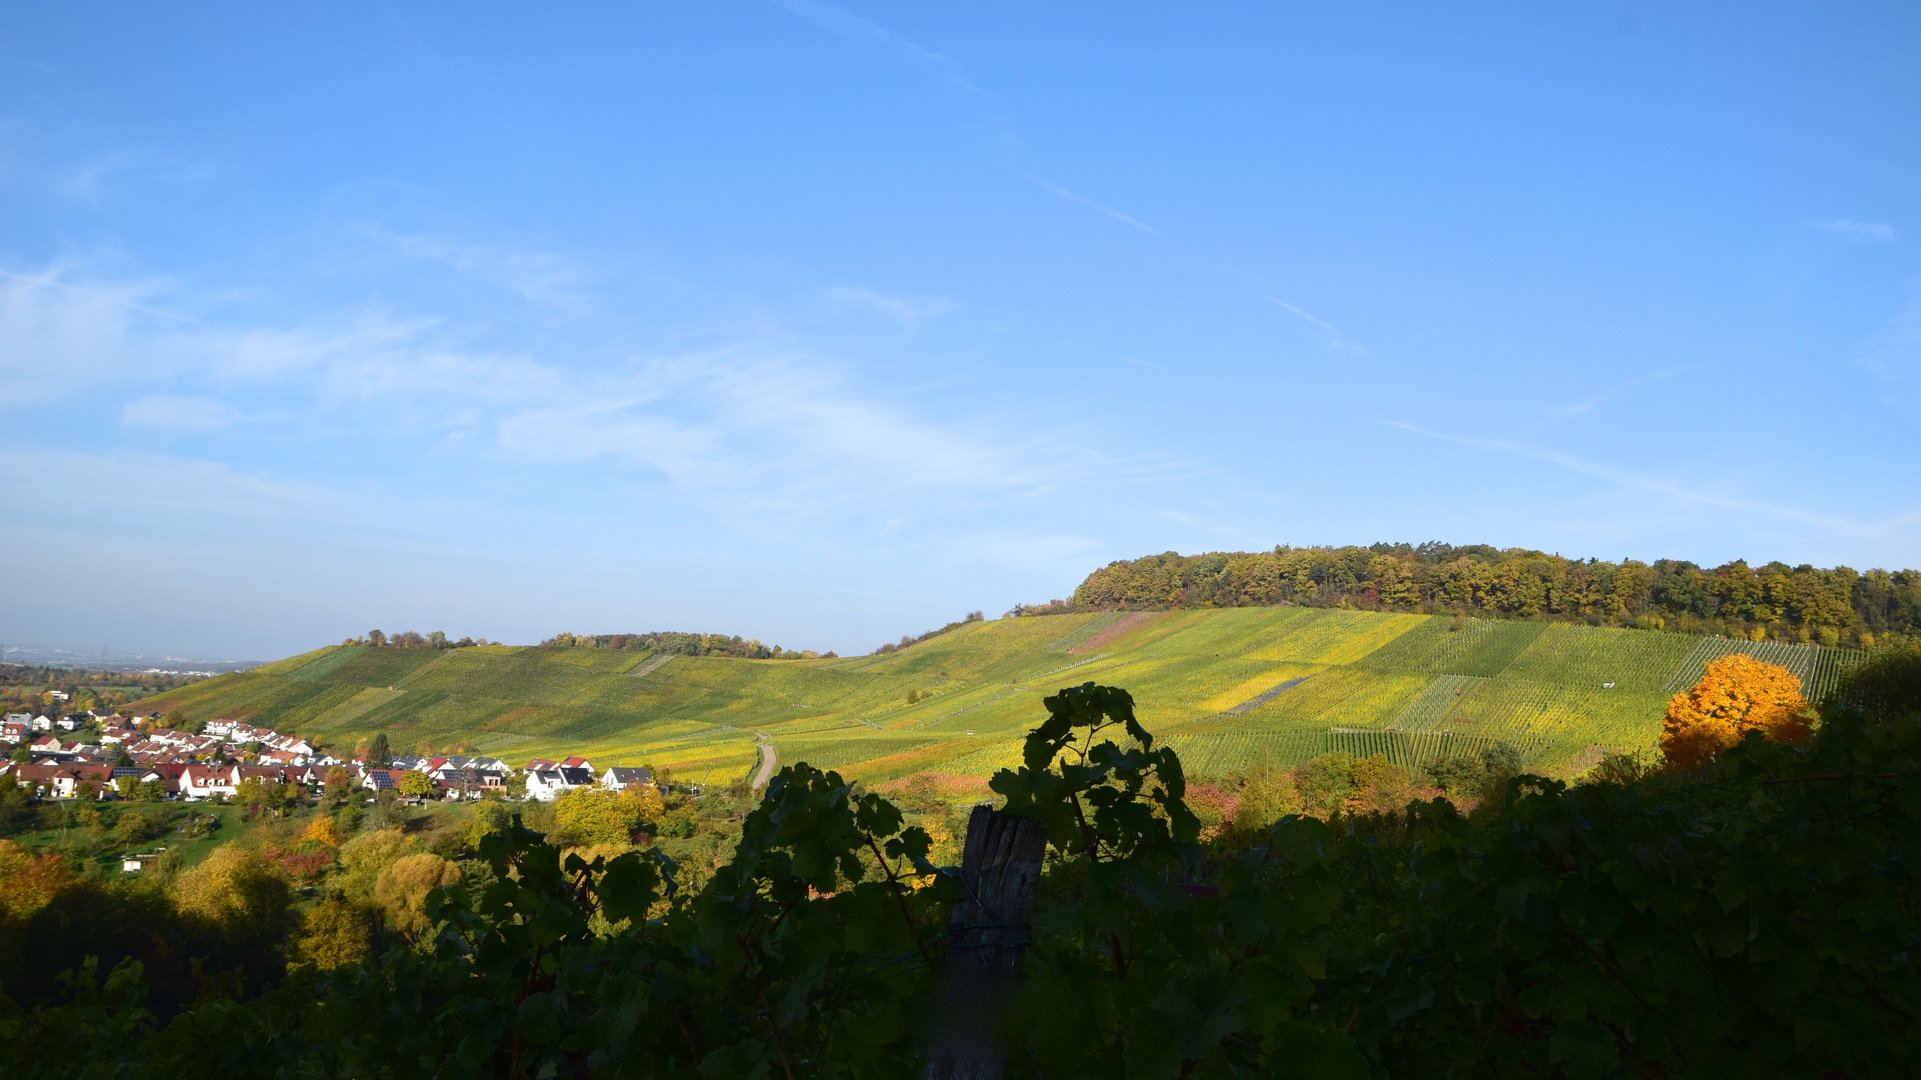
x,y
1860,230
1332,340
91,180
853,27
908,313
172,413
768,434
1102,207
1577,408
542,277
1628,478
1893,356
744,429
59,329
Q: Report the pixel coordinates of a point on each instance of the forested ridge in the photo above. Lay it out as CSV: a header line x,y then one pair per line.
x,y
676,643
1794,603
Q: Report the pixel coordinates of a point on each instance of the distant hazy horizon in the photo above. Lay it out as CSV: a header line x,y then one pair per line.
x,y
822,324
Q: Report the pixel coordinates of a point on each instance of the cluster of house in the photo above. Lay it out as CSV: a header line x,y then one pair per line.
x,y
548,780
148,743
202,766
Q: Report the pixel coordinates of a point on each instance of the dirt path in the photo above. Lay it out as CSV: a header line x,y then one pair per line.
x,y
767,763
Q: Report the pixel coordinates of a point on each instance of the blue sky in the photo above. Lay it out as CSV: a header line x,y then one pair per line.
x,y
823,324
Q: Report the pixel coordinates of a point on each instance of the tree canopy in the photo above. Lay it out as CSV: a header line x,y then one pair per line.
x,y
1737,694
1828,606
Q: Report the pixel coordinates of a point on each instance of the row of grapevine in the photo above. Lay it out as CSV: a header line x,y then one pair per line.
x,y
327,663
1594,656
1268,695
1433,703
1219,754
1084,631
1513,708
649,665
847,750
1336,637
1817,667
1415,749
1826,671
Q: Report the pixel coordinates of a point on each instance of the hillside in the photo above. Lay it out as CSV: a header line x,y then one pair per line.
x,y
1227,686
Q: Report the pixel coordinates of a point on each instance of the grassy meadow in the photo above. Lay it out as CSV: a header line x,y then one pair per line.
x,y
1227,687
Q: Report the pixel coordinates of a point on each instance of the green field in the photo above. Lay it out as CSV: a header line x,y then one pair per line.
x,y
1228,687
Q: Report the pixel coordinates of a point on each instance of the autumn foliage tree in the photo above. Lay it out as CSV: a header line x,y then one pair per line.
x,y
588,816
1736,695
28,881
402,890
321,830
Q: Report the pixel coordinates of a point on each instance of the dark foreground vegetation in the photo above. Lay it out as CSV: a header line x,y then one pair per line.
x,y
1775,601
1751,917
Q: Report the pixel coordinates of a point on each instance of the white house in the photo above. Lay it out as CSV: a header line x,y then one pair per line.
x,y
621,778
547,785
206,781
292,744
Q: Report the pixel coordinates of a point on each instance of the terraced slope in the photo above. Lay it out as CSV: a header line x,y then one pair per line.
x,y
1226,686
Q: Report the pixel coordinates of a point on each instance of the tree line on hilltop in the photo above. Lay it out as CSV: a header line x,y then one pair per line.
x,y
409,639
915,639
680,644
1799,603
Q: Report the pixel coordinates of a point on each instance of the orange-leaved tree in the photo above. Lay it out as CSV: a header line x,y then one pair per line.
x,y
1738,694
321,830
29,882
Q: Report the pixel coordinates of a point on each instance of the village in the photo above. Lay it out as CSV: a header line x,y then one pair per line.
x,y
104,755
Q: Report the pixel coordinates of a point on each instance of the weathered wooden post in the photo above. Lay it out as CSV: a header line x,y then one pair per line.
x,y
1001,866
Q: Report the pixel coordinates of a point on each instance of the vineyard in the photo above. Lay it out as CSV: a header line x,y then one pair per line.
x,y
1229,687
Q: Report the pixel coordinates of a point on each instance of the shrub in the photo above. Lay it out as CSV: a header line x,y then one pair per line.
x,y
402,890
235,887
336,931
365,857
